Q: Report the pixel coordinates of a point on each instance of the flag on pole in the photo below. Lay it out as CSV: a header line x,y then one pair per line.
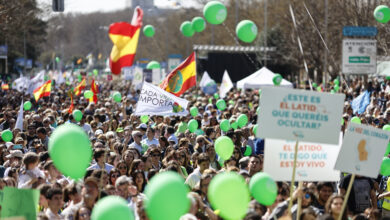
x,y
21,84
182,77
80,87
70,109
35,82
206,79
19,120
95,90
60,78
124,36
226,85
42,91
360,103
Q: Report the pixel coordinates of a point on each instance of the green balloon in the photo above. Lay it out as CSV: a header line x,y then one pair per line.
x,y
149,30
248,150
58,59
342,121
314,85
194,111
336,81
88,94
221,104
255,130
70,150
77,115
27,105
277,79
112,207
167,196
224,125
117,97
198,24
95,72
263,188
215,12
216,95
387,150
182,127
332,91
387,77
7,135
242,120
246,31
199,132
234,125
186,29
231,102
382,14
144,118
259,91
385,167
229,193
386,127
224,147
319,89
153,65
356,120
192,125
336,88
257,110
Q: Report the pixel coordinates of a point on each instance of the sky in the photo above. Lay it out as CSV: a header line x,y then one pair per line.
x,y
88,6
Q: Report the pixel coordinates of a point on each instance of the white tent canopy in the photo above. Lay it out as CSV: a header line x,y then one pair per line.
x,y
260,78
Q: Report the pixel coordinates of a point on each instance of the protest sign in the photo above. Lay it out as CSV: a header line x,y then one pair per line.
x,y
156,76
315,161
138,75
128,72
300,115
362,150
19,202
155,101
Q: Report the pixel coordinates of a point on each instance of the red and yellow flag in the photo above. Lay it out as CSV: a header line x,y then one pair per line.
x,y
4,86
95,91
124,36
80,87
182,77
43,90
71,107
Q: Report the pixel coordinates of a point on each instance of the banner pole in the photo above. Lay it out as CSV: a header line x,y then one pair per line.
x,y
346,197
299,210
293,178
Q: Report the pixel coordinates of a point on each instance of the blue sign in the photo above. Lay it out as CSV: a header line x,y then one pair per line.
x,y
360,31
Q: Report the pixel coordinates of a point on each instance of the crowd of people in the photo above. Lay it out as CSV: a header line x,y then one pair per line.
x,y
128,153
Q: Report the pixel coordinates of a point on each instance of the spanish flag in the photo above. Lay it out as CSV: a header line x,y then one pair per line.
x,y
80,87
71,107
95,91
124,36
42,91
4,86
182,77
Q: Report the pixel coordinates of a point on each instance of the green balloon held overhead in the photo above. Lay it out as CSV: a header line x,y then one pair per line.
x,y
95,72
336,88
88,94
148,30
199,132
112,207
314,85
198,24
224,147
356,120
248,150
221,104
186,29
336,81
153,65
386,127
194,111
77,115
70,150
385,167
27,105
387,150
342,121
182,127
319,89
144,119
224,125
277,79
215,12
58,59
216,95
263,188
193,125
229,194
242,120
234,125
255,130
382,14
246,31
117,97
167,197
7,135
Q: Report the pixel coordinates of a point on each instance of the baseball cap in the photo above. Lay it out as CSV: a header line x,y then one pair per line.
x,y
98,132
92,180
15,153
142,126
172,138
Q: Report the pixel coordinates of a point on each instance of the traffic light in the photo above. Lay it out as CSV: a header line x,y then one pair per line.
x,y
58,5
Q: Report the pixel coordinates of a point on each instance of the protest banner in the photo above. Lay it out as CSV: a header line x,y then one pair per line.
x,y
300,115
315,161
19,202
155,101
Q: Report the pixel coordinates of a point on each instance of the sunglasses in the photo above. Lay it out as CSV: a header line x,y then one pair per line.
x,y
122,167
115,175
155,155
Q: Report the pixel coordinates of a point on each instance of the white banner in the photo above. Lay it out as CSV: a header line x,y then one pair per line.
x,y
137,75
315,161
226,85
359,56
155,101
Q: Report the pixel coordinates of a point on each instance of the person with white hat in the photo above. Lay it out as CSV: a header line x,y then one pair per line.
x,y
137,137
14,159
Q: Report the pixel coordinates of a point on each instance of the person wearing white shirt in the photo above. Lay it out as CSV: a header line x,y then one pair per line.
x,y
203,163
30,173
137,136
101,159
150,140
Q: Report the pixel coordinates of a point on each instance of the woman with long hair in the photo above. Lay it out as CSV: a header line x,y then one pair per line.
x,y
113,175
139,180
333,207
122,167
137,164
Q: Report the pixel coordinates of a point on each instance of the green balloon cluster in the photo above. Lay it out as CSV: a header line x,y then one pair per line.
x,y
224,147
148,30
198,24
77,115
385,167
117,97
221,104
186,29
27,105
233,124
263,188
215,12
112,207
153,65
7,135
88,94
229,194
194,111
382,14
144,118
277,79
70,150
246,31
242,120
167,197
356,120
225,125
193,125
